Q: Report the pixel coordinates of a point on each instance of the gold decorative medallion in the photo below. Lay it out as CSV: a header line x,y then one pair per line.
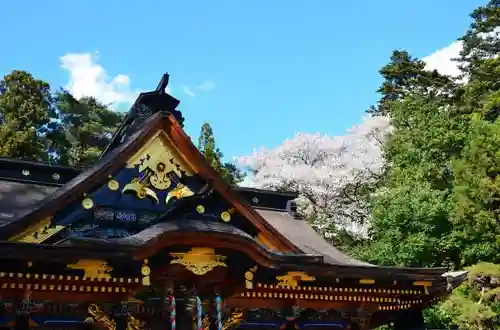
x,y
199,260
293,279
87,203
200,209
93,268
145,271
113,185
249,280
225,216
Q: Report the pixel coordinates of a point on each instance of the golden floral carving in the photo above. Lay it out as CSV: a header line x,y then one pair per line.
x,y
161,167
159,157
199,260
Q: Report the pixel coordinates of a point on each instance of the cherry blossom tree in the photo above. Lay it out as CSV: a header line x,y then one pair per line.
x,y
330,173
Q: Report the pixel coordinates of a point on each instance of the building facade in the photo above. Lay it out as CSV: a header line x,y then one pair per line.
x,y
151,237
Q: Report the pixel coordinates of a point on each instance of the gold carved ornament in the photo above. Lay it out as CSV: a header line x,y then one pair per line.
x,y
205,323
100,317
234,320
250,277
199,260
145,272
135,324
141,191
38,232
293,279
93,268
159,166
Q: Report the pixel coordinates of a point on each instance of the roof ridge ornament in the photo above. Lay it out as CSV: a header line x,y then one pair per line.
x,y
146,104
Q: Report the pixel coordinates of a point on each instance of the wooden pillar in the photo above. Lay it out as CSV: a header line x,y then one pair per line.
x,y
410,320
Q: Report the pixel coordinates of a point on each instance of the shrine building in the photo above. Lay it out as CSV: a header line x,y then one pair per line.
x,y
151,237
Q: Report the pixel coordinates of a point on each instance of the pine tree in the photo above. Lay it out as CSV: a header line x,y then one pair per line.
x,y
213,155
25,113
86,128
405,74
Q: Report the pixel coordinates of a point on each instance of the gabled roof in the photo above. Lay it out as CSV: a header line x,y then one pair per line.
x,y
116,158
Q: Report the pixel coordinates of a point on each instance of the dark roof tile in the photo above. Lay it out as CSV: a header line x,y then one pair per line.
x,y
300,233
16,197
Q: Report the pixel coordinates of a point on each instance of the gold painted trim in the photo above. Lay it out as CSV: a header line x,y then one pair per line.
x,y
293,279
93,268
37,232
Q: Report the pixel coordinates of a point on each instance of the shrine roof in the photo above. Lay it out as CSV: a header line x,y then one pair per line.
x,y
300,232
28,187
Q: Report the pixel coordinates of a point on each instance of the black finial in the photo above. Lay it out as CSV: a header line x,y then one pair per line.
x,y
162,85
158,100
146,104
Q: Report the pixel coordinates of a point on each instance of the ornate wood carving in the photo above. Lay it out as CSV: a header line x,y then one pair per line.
x,y
199,260
93,268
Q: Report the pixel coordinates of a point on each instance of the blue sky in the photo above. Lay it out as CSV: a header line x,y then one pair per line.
x,y
257,70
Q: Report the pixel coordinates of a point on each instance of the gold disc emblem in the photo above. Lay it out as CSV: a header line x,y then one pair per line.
x,y
87,203
113,185
200,209
225,216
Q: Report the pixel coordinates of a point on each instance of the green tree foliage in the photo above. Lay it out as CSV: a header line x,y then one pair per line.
x,y
87,127
36,124
25,112
405,74
410,210
481,42
213,155
475,305
438,203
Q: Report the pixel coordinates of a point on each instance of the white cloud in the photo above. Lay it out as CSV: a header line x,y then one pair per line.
x,y
206,86
88,78
188,91
442,60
